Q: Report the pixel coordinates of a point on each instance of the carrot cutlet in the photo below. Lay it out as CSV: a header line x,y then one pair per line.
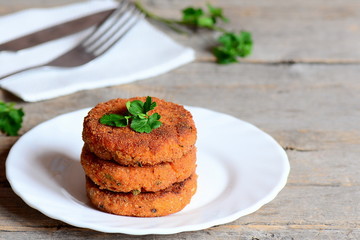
x,y
171,141
146,204
115,177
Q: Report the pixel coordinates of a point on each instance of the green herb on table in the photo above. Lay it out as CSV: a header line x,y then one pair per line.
x,y
230,45
233,45
11,118
197,17
141,121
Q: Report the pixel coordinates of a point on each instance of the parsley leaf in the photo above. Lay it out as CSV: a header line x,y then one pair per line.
x,y
140,120
153,121
197,17
135,107
146,124
10,118
149,105
205,21
115,120
140,125
191,15
231,46
216,13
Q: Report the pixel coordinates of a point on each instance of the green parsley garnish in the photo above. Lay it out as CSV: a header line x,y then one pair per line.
x,y
115,120
141,121
230,45
10,118
197,17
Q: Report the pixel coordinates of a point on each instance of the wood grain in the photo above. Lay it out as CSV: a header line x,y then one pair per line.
x,y
307,31
283,31
300,85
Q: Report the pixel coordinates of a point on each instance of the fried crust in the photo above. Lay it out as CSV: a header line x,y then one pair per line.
x,y
172,140
146,204
118,178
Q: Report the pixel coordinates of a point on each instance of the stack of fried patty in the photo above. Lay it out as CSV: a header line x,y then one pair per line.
x,y
140,174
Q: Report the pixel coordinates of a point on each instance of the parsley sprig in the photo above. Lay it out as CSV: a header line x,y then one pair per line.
x,y
141,121
230,45
197,17
11,118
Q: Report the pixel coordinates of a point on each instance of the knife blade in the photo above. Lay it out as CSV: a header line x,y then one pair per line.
x,y
55,32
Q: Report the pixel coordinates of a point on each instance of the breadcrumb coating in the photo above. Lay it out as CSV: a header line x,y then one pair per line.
x,y
145,204
115,177
175,137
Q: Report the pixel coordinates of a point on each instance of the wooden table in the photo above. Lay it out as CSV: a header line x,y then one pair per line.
x,y
301,85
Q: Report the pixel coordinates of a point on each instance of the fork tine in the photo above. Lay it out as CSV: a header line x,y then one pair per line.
x,y
120,22
118,34
106,24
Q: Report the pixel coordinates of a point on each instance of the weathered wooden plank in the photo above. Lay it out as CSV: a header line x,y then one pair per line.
x,y
289,213
296,97
308,31
255,234
310,109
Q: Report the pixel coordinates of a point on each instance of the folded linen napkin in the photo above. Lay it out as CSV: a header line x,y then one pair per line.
x,y
142,53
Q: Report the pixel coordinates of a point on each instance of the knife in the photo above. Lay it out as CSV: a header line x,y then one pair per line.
x,y
55,32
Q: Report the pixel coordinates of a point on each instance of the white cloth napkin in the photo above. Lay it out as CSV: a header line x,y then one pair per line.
x,y
142,53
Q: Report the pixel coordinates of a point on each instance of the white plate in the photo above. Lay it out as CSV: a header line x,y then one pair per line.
x,y
240,169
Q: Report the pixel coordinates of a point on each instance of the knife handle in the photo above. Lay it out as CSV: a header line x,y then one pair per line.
x,y
55,32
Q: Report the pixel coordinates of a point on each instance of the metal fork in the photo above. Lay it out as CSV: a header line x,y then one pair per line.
x,y
99,41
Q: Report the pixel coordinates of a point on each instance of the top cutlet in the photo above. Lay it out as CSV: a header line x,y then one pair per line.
x,y
172,140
